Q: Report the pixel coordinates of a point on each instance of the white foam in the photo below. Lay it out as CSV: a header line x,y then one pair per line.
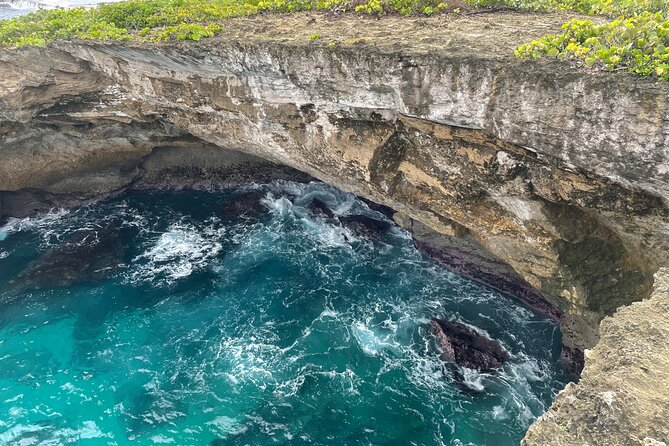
x,y
177,253
12,434
161,439
371,342
224,425
44,223
472,379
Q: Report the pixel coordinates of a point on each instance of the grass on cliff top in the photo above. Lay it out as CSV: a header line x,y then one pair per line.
x,y
637,41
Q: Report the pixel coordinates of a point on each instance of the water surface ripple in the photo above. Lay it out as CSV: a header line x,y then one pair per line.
x,y
285,329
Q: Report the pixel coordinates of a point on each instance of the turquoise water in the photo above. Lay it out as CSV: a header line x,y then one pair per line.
x,y
286,330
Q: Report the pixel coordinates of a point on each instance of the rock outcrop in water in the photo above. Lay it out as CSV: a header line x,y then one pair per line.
x,y
546,182
319,209
89,255
365,226
462,345
247,205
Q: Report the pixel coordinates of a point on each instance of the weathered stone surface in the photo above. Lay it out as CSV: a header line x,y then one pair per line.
x,y
319,209
247,205
622,397
462,345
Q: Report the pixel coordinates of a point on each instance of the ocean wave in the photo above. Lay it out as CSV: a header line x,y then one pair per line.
x,y
177,253
46,224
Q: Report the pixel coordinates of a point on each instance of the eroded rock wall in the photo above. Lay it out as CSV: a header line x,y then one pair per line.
x,y
620,399
544,181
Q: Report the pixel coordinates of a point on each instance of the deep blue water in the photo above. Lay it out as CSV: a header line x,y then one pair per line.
x,y
286,330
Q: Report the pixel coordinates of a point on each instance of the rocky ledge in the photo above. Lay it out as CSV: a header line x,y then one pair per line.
x,y
622,397
544,181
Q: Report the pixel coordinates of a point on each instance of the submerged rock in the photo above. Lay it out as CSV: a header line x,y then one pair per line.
x,y
85,256
462,345
319,209
247,205
365,226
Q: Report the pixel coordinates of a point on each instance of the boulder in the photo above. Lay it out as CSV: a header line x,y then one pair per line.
x,y
318,208
365,226
462,345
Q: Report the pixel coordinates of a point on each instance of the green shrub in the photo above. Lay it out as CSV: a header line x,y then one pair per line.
x,y
187,31
182,19
404,7
639,44
605,7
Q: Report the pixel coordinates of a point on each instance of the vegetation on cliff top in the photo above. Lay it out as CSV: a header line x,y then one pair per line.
x,y
639,44
638,40
172,19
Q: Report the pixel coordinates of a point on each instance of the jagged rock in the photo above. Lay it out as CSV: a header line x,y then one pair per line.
x,y
85,256
622,397
365,226
319,209
247,205
385,210
462,345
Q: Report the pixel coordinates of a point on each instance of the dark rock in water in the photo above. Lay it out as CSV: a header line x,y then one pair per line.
x,y
385,210
247,205
319,209
365,226
464,346
85,256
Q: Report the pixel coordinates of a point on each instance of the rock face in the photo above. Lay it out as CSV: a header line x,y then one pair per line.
x,y
467,348
319,209
622,397
546,182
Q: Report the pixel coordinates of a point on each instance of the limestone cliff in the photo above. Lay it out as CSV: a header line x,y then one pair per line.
x,y
547,182
618,400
